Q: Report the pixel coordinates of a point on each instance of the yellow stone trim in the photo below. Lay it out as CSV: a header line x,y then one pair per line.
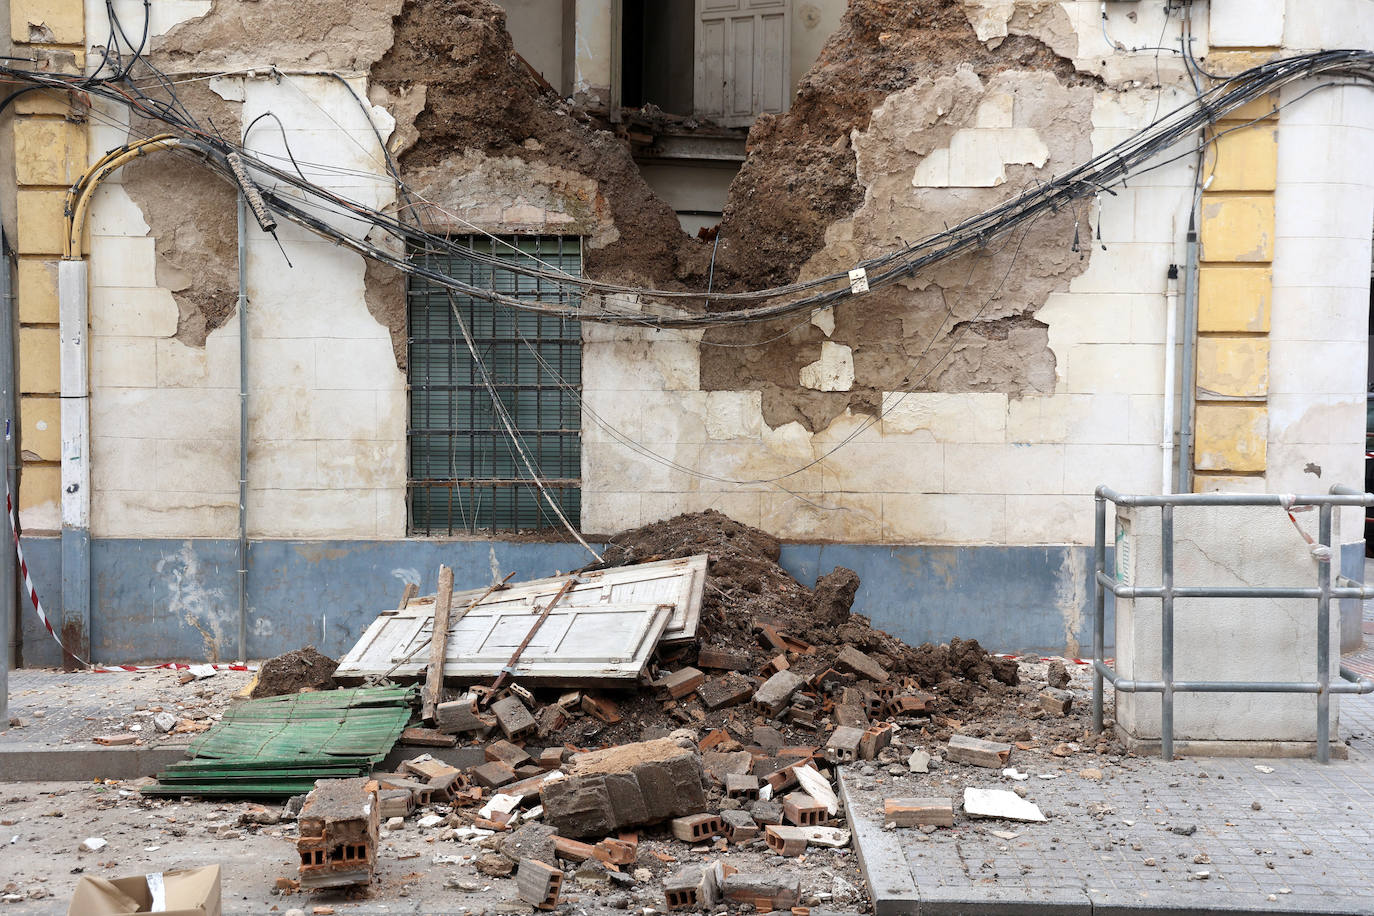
x,y
40,485
1237,228
1234,299
1243,160
1232,367
40,436
49,151
48,21
1231,437
38,361
36,285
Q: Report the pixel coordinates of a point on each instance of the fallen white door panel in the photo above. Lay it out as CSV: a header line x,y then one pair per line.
x,y
603,628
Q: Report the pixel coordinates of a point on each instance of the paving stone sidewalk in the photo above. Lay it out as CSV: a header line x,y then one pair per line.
x,y
1197,835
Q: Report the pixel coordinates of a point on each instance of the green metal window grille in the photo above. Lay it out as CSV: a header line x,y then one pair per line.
x,y
465,473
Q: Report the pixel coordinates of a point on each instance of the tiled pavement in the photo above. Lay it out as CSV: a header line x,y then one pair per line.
x,y
1297,839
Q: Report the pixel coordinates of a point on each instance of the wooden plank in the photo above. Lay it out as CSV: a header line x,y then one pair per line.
x,y
438,644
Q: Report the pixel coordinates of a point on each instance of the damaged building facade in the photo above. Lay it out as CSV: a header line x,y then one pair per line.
x,y
941,435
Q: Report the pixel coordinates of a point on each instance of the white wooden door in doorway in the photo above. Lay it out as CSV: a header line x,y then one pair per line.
x,y
742,51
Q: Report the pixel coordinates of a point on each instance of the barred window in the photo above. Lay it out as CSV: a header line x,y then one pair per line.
x,y
465,473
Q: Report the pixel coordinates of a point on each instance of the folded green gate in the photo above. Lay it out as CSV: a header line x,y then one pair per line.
x,y
279,746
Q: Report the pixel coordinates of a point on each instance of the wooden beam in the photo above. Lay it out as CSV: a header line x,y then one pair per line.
x,y
438,644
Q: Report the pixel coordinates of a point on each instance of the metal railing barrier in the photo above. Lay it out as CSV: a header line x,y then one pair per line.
x,y
1167,591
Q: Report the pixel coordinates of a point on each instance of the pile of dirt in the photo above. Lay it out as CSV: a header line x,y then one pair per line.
x,y
297,670
746,590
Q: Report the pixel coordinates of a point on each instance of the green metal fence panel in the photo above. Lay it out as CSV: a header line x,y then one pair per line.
x,y
465,474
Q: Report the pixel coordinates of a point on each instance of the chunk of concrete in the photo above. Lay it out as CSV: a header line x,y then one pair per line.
x,y
642,783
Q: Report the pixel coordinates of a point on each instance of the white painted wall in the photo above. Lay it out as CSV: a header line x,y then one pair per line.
x,y
327,403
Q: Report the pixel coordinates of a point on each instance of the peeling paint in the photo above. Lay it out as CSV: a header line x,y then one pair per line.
x,y
189,598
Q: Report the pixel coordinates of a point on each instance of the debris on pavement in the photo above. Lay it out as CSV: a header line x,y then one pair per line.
x,y
1000,803
301,669
338,833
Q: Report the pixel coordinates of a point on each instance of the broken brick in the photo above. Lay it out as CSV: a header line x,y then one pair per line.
x,y
694,828
803,810
338,830
918,812
458,717
775,664
515,720
773,890
785,841
740,827
1055,701
601,708
538,883
427,737
722,659
728,690
507,753
741,785
492,774
851,659
977,752
843,746
876,737
678,684
776,692
642,783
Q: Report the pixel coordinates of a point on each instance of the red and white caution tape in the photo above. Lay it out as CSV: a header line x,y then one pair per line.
x,y
24,569
173,666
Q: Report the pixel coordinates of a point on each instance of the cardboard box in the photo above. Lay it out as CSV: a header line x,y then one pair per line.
x,y
189,892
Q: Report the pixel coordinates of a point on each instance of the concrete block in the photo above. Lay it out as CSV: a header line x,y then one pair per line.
x,y
1114,368
1316,263
36,286
803,810
734,414
40,434
123,362
625,786
851,659
40,222
1234,299
939,417
1134,465
1230,437
696,887
1244,160
777,691
47,22
1249,24
843,745
342,415
998,469
1237,228
1232,367
943,518
124,262
773,890
538,883
1146,421
38,361
48,151
117,312
1321,210
197,465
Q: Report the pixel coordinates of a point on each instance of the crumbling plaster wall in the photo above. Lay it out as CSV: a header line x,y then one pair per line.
x,y
327,402
916,115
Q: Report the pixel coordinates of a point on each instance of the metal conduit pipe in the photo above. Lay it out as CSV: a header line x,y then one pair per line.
x,y
9,622
1168,472
243,426
1183,469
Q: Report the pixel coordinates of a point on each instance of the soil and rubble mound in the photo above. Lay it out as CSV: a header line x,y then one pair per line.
x,y
748,592
294,671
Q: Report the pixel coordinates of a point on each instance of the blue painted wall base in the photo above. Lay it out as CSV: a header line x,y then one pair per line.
x,y
162,600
